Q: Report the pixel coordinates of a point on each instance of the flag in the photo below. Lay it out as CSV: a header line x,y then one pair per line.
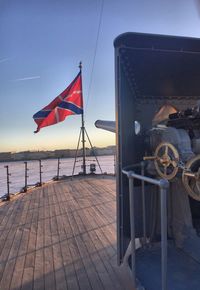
x,y
69,102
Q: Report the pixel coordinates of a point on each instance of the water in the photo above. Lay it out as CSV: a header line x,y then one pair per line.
x,y
49,169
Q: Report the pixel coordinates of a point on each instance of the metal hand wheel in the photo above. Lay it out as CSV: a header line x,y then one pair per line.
x,y
166,160
191,177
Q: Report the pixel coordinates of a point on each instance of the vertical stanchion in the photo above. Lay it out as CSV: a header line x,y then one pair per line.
x,y
58,169
40,168
8,182
143,205
163,205
114,164
26,177
132,225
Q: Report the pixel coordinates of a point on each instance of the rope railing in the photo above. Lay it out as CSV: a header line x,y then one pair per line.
x,y
21,176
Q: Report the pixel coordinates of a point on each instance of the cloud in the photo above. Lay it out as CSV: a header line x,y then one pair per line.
x,y
27,78
4,59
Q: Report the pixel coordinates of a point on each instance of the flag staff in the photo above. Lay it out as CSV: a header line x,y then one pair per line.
x,y
83,129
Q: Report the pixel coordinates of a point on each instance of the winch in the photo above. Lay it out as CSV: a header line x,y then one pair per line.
x,y
176,150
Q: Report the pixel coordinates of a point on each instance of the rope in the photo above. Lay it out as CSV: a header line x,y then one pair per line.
x,y
95,52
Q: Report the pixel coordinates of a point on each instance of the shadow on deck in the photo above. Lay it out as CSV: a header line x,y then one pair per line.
x,y
61,236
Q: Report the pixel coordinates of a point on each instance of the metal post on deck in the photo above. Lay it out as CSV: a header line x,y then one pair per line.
x,y
26,176
114,164
8,182
40,171
132,225
58,169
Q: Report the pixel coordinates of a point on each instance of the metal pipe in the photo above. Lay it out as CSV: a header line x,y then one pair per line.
x,y
159,182
132,226
8,182
143,205
163,206
163,184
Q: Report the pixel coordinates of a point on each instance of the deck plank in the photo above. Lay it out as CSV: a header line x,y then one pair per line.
x,y
61,236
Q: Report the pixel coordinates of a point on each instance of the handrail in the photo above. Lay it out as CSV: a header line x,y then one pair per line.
x,y
163,184
42,171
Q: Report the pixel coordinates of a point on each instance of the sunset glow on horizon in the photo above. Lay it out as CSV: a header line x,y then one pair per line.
x,y
42,43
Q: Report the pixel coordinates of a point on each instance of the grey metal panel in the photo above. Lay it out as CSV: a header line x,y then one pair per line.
x,y
140,92
126,155
158,41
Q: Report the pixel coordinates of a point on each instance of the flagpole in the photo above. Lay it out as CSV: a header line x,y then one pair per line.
x,y
83,132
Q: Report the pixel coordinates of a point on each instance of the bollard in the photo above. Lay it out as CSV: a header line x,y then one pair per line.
x,y
8,182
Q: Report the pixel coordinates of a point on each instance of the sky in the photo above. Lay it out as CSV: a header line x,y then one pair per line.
x,y
41,45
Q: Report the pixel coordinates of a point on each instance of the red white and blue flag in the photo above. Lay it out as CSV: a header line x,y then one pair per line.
x,y
69,102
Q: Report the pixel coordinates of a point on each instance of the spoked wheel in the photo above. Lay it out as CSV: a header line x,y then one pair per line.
x,y
191,177
166,160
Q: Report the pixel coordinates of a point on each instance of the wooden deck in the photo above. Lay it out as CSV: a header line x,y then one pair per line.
x,y
61,236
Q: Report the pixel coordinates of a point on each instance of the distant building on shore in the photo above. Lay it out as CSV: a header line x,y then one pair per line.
x,y
61,153
110,150
5,156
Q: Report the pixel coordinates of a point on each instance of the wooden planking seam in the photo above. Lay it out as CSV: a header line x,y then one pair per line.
x,y
10,263
83,259
97,252
13,281
75,220
72,281
29,263
49,271
7,243
78,216
100,247
70,274
49,215
98,188
60,274
98,262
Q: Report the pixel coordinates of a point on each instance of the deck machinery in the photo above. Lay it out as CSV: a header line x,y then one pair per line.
x,y
158,159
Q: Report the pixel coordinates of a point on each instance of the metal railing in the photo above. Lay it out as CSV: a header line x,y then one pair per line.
x,y
40,170
163,185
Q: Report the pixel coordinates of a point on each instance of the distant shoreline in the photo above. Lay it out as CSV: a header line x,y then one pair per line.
x,y
61,153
